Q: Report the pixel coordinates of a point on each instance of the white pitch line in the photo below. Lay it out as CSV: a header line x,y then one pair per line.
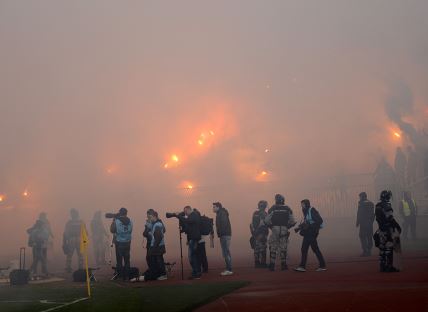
x,y
65,304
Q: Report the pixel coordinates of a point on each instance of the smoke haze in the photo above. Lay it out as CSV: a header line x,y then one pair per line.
x,y
109,104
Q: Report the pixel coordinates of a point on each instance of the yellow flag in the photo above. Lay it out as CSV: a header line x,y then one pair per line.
x,y
84,239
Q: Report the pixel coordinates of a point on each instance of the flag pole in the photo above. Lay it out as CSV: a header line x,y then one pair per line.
x,y
84,240
88,282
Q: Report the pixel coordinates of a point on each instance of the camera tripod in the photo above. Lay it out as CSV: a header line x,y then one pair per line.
x,y
181,252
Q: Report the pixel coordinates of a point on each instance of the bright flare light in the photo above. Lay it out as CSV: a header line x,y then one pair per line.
x,y
173,162
397,135
2,198
25,194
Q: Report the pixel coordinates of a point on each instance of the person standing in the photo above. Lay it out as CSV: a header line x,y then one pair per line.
x,y
365,219
280,219
99,239
400,165
71,240
260,232
38,240
384,236
191,221
408,211
309,229
224,232
121,227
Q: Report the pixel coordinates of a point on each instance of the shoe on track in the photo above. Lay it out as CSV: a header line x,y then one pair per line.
x,y
226,273
162,278
321,269
300,269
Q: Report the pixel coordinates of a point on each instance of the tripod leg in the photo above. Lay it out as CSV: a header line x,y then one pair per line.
x,y
181,255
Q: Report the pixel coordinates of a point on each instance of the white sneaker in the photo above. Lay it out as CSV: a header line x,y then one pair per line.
x,y
226,273
162,278
321,269
300,269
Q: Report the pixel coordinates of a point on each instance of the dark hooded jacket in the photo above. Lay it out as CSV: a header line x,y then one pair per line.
x,y
192,225
365,214
222,223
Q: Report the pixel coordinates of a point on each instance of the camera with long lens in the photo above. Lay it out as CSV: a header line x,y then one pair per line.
x,y
171,215
182,226
112,215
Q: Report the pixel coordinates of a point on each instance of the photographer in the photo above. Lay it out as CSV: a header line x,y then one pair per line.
x,y
147,234
121,227
191,223
156,249
309,229
71,240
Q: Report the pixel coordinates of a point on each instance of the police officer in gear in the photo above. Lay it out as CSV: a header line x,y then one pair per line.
x,y
71,240
260,232
121,227
280,219
38,240
365,219
99,239
408,211
384,236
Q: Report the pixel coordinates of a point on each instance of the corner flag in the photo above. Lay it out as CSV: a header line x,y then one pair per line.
x,y
84,241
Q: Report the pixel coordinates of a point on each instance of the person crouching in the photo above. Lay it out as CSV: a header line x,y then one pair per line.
x,y
156,249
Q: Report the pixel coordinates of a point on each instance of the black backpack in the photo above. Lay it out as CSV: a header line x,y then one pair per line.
x,y
207,225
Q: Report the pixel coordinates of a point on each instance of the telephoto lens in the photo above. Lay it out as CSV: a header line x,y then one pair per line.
x,y
170,215
111,215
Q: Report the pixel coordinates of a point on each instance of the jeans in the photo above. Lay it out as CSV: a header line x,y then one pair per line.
x,y
123,253
366,237
73,244
194,258
39,255
202,254
225,249
311,241
409,222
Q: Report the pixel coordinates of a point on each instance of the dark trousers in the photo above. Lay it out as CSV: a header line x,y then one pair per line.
x,y
39,255
100,252
366,237
123,258
409,223
194,258
156,268
311,241
202,254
